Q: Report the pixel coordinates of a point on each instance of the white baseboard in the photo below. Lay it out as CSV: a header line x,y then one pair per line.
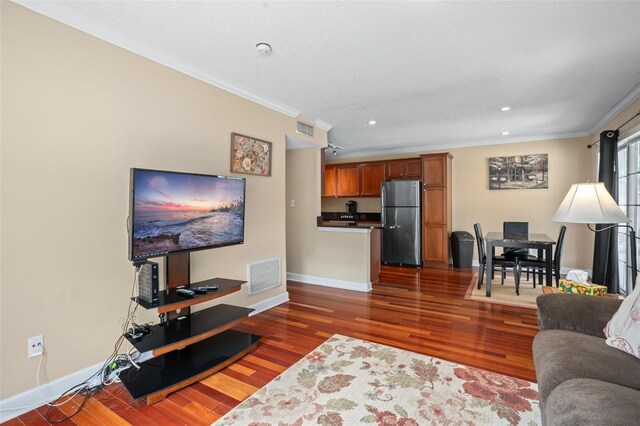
x,y
330,282
563,271
269,303
26,401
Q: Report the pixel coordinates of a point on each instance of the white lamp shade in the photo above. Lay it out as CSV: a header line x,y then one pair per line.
x,y
589,203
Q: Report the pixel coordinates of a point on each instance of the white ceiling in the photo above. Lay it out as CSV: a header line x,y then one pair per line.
x,y
432,74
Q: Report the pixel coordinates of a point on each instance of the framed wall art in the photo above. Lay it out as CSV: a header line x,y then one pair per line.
x,y
250,155
529,171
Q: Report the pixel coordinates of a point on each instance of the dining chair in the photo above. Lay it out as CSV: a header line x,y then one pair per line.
x,y
497,261
515,228
538,266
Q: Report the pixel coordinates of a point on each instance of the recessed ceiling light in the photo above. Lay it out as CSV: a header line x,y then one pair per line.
x,y
371,122
505,133
505,108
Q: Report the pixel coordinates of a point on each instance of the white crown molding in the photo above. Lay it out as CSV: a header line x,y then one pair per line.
x,y
60,12
617,108
323,125
416,149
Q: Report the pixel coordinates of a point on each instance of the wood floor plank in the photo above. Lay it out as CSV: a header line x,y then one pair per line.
x,y
55,415
33,418
155,414
421,310
180,414
83,417
202,412
232,387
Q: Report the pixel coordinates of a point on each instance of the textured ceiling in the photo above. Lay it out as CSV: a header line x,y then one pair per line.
x,y
432,74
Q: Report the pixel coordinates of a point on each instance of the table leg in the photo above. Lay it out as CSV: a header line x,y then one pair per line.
x,y
548,264
489,267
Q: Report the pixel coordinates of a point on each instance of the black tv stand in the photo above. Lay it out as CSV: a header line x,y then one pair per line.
x,y
187,347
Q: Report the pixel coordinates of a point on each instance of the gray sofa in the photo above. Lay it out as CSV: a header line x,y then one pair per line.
x,y
582,380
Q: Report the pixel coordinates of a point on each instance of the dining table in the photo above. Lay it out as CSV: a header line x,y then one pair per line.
x,y
542,242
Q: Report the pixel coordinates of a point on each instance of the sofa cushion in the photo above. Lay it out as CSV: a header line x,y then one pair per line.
x,y
592,402
623,330
561,355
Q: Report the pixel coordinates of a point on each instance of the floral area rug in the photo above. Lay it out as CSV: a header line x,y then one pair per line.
x,y
348,381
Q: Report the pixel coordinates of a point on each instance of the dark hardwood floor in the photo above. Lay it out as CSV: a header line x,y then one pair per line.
x,y
419,310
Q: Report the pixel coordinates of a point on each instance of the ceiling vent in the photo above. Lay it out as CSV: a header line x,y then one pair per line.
x,y
264,275
304,128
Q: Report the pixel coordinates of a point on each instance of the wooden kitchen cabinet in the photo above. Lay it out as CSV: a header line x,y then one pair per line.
x,y
347,180
434,171
364,179
404,169
371,176
413,168
329,188
436,207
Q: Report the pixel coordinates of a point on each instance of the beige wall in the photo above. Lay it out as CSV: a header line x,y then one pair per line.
x,y
333,255
77,113
569,162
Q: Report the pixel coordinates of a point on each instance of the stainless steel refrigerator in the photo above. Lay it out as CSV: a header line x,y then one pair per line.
x,y
402,222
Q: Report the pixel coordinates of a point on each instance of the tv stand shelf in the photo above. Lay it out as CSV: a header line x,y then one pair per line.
x,y
187,347
169,300
180,332
175,370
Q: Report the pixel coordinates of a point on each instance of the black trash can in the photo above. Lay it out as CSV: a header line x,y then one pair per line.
x,y
462,249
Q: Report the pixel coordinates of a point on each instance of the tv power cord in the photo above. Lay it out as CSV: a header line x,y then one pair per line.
x,y
110,369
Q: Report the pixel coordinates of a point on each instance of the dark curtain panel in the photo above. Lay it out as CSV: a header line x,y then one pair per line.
x,y
605,253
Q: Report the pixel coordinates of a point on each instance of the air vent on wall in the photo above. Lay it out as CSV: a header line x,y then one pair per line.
x,y
304,128
264,275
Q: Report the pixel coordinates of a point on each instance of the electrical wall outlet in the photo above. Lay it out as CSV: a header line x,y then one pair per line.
x,y
293,203
36,346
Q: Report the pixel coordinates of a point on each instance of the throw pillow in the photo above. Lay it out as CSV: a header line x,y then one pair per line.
x,y
623,330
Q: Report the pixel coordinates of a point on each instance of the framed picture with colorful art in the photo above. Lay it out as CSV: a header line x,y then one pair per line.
x,y
250,155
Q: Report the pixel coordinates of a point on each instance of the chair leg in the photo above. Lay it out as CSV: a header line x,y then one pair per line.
x,y
516,276
481,277
534,280
557,271
504,273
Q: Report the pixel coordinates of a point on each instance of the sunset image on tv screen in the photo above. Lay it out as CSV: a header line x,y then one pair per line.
x,y
176,211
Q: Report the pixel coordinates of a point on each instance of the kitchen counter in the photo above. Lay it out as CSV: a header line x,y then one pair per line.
x,y
360,224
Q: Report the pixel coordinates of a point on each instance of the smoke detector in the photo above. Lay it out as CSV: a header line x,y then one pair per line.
x,y
264,49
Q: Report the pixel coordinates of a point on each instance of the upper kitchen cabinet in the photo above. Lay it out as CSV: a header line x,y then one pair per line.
x,y
371,176
434,169
410,168
329,187
347,180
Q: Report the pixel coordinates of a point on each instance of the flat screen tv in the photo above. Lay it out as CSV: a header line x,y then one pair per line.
x,y
172,212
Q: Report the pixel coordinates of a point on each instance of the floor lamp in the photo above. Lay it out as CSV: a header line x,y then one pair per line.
x,y
591,203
